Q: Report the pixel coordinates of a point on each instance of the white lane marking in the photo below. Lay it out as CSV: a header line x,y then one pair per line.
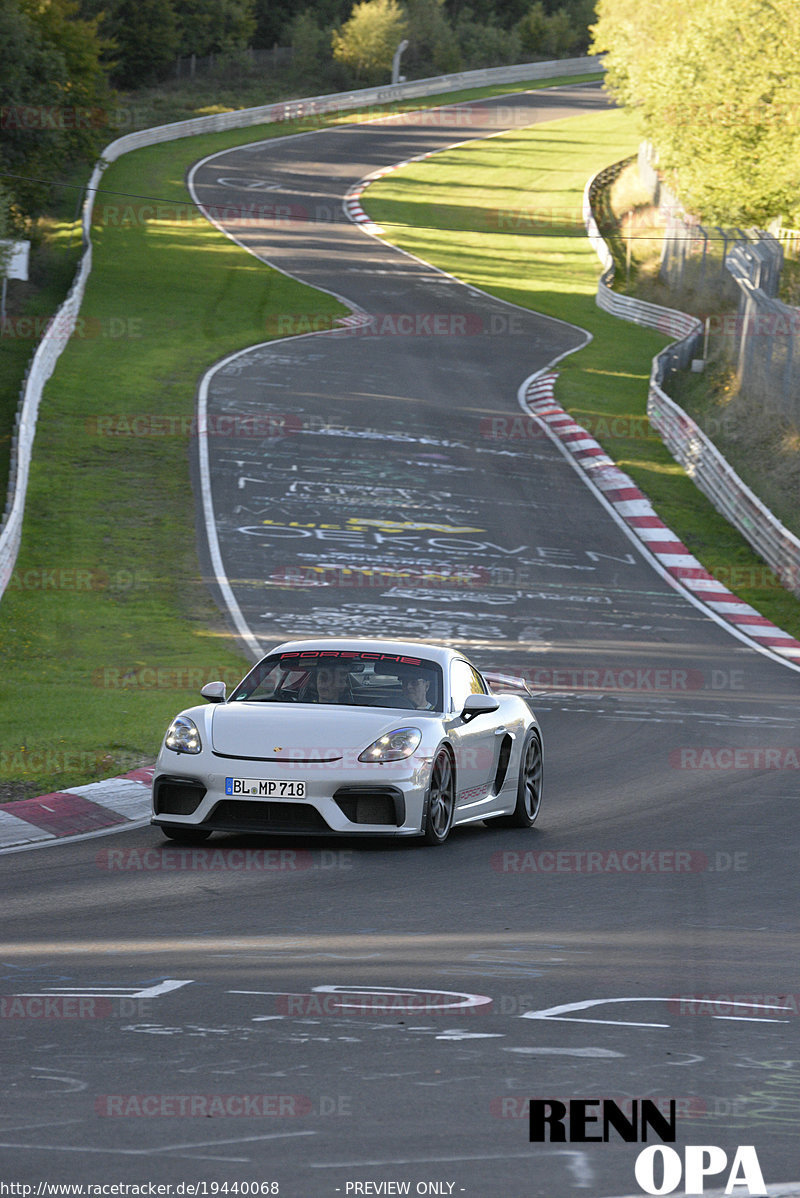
x,y
247,183
749,1019
71,1084
164,987
567,1052
578,1163
151,1150
209,516
412,1003
400,999
433,1160
456,1033
561,1012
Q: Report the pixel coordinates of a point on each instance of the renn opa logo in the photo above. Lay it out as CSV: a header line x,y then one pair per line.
x,y
580,1122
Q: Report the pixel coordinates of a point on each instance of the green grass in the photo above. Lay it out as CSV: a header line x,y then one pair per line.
x,y
504,215
107,628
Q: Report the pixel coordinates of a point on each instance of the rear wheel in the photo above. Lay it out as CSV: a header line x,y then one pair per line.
x,y
440,803
184,835
529,786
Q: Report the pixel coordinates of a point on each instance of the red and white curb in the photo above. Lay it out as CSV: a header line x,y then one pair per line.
x,y
352,200
635,510
82,811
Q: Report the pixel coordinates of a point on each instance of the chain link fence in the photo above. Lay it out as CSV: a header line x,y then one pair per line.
x,y
233,62
765,337
730,277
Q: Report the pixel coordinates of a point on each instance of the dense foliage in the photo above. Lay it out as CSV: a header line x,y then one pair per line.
x,y
716,84
54,97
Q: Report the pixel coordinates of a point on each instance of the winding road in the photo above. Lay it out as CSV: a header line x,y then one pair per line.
x,y
327,1015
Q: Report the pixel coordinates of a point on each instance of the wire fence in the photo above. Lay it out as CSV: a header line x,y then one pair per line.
x,y
731,277
233,62
766,333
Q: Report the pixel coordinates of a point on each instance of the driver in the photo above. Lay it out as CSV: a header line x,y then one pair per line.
x,y
333,684
416,685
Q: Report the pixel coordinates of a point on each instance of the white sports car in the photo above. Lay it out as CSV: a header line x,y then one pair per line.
x,y
330,737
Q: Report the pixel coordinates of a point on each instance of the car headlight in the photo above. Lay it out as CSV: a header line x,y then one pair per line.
x,y
393,746
183,736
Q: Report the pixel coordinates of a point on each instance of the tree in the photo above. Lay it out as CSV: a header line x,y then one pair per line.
x,y
433,49
54,97
484,43
555,32
214,26
147,39
367,41
310,46
716,84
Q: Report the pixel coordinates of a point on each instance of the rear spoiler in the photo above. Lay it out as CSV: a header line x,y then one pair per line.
x,y
501,682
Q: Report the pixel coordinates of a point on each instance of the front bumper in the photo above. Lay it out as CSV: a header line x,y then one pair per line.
x,y
372,800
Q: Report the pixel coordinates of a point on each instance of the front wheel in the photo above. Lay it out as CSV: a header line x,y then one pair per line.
x,y
184,835
529,786
440,803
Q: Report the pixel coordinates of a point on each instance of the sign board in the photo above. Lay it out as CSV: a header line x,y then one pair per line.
x,y
16,264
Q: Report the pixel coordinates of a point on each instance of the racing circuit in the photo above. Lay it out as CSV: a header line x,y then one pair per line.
x,y
393,1009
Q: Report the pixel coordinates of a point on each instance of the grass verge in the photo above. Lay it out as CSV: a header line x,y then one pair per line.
x,y
107,628
505,215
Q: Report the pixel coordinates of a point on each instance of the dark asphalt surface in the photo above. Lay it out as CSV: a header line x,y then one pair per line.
x,y
505,965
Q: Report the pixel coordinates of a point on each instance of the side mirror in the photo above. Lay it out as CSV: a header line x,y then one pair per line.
x,y
214,692
478,705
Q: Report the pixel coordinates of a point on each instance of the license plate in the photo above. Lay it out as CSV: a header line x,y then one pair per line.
x,y
262,788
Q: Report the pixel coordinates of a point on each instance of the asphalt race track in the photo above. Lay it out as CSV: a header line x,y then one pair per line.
x,y
336,1016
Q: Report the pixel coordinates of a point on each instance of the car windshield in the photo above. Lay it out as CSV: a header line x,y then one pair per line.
x,y
340,676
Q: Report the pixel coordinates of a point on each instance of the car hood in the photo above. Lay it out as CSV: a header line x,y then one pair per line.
x,y
293,732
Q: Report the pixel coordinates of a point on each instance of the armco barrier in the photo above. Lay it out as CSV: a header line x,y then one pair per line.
x,y
63,323
685,440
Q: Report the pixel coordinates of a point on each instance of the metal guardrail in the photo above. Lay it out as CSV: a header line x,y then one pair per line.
x,y
685,440
62,324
